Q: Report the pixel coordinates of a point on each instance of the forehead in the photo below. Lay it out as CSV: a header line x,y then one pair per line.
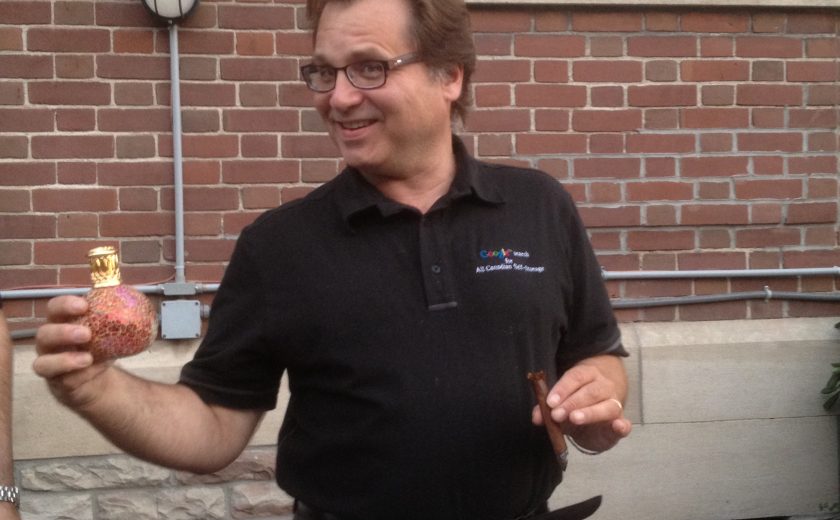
x,y
362,29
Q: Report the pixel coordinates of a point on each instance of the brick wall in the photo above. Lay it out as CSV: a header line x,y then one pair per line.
x,y
690,138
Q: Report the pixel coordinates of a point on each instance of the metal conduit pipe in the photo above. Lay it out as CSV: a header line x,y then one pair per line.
x,y
766,295
725,273
177,153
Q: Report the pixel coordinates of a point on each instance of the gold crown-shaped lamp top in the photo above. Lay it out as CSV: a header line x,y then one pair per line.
x,y
104,267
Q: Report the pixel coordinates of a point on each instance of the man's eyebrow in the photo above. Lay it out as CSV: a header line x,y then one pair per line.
x,y
354,56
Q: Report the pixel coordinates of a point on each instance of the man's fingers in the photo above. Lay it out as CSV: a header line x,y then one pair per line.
x,y
50,366
57,337
64,308
603,411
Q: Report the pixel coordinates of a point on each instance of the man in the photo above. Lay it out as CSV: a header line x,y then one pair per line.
x,y
406,300
9,494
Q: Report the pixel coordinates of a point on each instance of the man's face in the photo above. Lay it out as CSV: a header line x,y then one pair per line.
x,y
390,131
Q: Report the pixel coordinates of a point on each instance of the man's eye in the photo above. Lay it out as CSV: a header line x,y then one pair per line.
x,y
370,69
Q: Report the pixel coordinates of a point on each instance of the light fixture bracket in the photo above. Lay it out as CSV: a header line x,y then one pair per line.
x,y
171,11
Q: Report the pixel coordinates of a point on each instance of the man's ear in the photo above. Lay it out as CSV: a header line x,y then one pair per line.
x,y
452,79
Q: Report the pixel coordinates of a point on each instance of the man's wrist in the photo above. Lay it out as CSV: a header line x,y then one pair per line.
x,y
10,495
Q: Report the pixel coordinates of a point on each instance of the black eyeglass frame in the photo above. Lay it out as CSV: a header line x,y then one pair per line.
x,y
387,66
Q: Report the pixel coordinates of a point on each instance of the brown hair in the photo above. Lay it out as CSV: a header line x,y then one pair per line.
x,y
440,30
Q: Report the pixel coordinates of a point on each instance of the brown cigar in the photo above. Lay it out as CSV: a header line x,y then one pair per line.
x,y
555,434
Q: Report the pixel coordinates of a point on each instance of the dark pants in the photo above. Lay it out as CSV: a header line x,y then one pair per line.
x,y
305,512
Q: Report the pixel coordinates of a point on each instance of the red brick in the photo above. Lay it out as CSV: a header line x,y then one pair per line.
x,y
14,147
206,42
551,71
606,46
596,217
812,71
26,66
139,224
74,66
132,41
812,118
660,143
615,21
767,237
259,69
715,118
27,226
655,240
259,146
661,119
261,171
607,168
73,12
135,146
659,190
15,201
824,21
662,95
662,21
211,146
253,17
716,142
201,121
714,214
661,70
768,47
25,12
69,93
539,144
263,197
604,193
121,14
662,46
763,213
713,311
552,21
135,120
606,143
816,164
714,70
492,96
502,120
203,224
821,95
768,22
622,71
260,120
551,120
714,166
606,96
255,44
135,173
52,39
549,46
812,213
822,48
64,200
138,199
768,117
75,120
716,22
63,252
493,44
770,142
500,20
125,66
768,70
261,95
293,43
72,147
769,95
502,70
606,120
713,190
11,93
15,253
717,95
768,189
308,146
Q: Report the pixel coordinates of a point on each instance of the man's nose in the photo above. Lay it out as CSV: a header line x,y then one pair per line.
x,y
344,94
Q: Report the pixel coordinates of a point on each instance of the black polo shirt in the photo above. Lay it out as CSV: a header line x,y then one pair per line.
x,y
407,339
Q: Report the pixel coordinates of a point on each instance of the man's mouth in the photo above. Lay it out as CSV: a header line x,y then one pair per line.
x,y
355,125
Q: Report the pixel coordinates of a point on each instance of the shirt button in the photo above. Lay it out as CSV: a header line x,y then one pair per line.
x,y
436,269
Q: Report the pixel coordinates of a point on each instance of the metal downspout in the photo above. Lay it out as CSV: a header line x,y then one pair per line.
x,y
177,152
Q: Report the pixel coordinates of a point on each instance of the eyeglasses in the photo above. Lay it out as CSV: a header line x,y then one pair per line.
x,y
367,74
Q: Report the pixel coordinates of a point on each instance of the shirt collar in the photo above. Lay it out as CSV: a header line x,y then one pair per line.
x,y
356,196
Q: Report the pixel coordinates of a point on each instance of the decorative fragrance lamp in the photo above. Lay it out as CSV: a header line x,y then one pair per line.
x,y
122,320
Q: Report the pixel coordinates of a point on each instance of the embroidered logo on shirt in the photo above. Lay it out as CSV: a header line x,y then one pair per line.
x,y
510,260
